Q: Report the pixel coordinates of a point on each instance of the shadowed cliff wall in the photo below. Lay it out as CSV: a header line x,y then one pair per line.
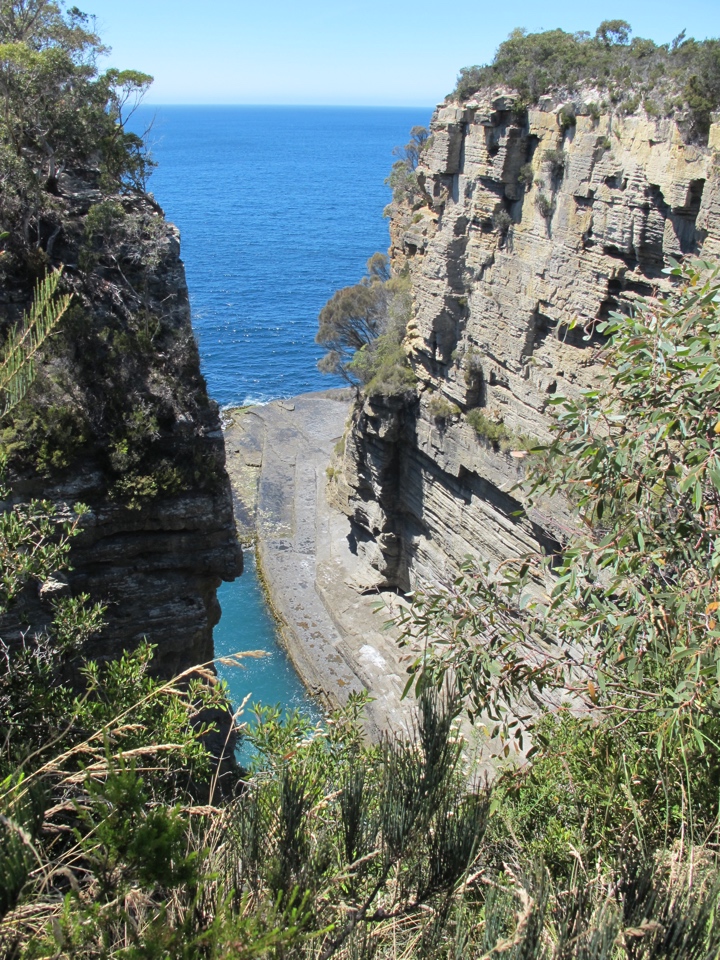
x,y
119,419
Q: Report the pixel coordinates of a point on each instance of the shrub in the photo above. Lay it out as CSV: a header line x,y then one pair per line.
x,y
497,434
525,176
473,365
544,205
502,221
384,368
566,118
555,158
441,409
491,430
630,105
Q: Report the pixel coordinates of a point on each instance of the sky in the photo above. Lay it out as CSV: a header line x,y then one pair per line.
x,y
346,52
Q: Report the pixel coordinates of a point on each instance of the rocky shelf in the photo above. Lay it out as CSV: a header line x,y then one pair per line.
x,y
277,458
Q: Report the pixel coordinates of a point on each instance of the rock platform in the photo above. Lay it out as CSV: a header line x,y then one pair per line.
x,y
335,633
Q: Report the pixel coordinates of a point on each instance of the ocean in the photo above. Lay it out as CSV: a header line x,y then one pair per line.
x,y
278,207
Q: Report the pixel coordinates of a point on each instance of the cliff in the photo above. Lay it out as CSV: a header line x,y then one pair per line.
x,y
525,229
119,419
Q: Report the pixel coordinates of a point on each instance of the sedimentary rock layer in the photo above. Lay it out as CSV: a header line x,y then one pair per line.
x,y
529,232
120,420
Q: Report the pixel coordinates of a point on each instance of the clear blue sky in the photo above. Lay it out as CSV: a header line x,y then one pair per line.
x,y
374,52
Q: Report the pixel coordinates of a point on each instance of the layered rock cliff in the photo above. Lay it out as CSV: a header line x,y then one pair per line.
x,y
528,228
119,419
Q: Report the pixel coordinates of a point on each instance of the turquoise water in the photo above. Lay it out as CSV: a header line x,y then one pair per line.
x,y
278,207
247,624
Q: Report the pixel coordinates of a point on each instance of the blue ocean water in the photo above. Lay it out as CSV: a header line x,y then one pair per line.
x,y
278,207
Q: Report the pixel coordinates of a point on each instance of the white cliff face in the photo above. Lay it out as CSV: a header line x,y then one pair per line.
x,y
529,234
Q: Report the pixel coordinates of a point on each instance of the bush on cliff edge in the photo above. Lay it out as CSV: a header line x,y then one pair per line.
x,y
671,79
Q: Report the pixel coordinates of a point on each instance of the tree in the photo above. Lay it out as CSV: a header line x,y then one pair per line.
x,y
353,318
403,180
613,31
58,111
410,153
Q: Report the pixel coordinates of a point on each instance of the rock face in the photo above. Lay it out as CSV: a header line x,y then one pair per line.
x,y
529,232
120,420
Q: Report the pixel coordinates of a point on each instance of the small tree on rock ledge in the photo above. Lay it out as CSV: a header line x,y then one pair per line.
x,y
353,318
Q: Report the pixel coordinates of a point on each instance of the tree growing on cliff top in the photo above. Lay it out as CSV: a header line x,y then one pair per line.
x,y
681,79
58,112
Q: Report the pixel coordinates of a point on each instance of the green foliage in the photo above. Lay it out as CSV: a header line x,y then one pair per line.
x,y
17,370
49,435
114,236
402,179
630,622
442,410
135,489
497,434
596,788
403,182
502,221
58,112
382,366
555,158
413,149
545,205
331,848
33,542
526,174
352,319
363,326
534,64
647,443
566,119
116,839
621,624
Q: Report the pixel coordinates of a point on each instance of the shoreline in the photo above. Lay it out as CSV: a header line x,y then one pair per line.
x,y
277,455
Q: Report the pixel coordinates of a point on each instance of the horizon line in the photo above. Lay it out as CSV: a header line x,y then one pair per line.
x,y
324,106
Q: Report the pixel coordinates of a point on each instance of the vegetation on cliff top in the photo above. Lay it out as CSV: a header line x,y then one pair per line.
x,y
680,79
